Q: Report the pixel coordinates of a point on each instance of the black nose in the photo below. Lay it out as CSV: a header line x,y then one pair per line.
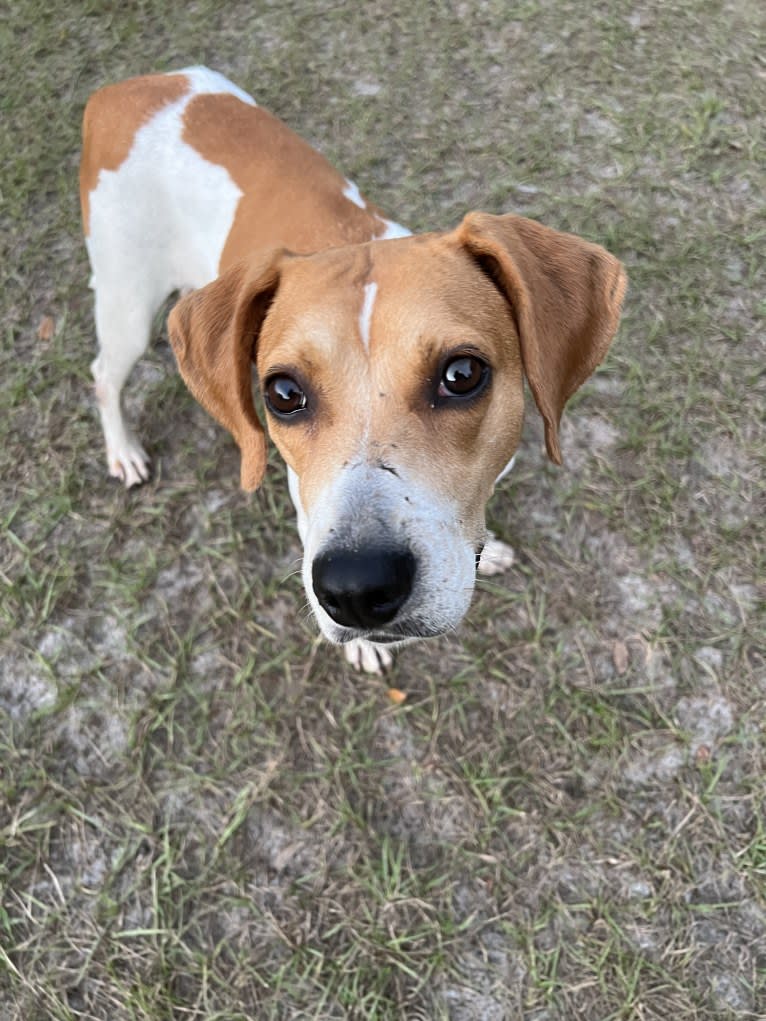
x,y
363,589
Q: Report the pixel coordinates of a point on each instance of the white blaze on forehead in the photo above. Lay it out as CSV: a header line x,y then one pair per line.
x,y
365,316
353,194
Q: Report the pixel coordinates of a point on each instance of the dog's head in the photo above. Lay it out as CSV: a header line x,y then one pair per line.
x,y
392,375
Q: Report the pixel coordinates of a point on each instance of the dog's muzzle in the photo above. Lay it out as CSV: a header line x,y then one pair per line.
x,y
363,589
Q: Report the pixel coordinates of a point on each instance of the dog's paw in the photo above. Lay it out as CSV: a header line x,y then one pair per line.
x,y
496,557
367,656
129,462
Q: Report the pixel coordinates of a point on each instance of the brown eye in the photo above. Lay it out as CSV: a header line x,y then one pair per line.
x,y
463,376
284,396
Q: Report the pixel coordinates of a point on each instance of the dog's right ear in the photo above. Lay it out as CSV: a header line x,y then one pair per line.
x,y
213,332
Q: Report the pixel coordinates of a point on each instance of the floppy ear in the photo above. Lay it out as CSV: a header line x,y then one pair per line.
x,y
565,295
213,332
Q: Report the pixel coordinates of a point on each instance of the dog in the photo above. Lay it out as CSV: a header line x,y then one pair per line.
x,y
391,365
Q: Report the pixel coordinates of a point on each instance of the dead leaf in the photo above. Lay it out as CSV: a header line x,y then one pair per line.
x,y
620,656
46,329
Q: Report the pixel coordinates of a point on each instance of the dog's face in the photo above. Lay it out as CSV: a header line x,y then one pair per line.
x,y
392,375
393,385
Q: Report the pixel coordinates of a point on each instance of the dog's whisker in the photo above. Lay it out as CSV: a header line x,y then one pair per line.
x,y
290,575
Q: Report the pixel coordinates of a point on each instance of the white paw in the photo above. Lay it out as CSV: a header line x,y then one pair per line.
x,y
367,656
128,461
496,557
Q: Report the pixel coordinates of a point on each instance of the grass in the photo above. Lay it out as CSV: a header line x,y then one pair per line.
x,y
203,813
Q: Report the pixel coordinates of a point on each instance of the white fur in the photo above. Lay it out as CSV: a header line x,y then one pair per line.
x,y
158,223
293,484
408,513
353,194
391,229
365,316
496,557
367,656
203,80
446,558
506,470
388,228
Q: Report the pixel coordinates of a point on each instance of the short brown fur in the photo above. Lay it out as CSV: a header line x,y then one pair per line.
x,y
112,117
291,195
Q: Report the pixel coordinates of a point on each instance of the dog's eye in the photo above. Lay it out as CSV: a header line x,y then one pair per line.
x,y
463,376
284,396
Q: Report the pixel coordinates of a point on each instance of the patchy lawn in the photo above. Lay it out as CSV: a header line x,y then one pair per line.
x,y
203,813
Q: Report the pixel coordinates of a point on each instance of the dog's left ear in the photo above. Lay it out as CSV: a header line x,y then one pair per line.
x,y
565,295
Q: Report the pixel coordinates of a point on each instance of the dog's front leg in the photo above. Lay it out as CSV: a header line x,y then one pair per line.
x,y
367,656
496,557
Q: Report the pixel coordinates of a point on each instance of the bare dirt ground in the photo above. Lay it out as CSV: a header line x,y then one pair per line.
x,y
203,813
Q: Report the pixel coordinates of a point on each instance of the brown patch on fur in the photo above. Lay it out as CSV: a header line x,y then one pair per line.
x,y
112,117
292,197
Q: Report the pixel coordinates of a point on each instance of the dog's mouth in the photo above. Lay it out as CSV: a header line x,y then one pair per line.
x,y
381,638
395,633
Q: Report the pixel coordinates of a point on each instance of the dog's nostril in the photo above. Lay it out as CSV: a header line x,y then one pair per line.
x,y
363,589
330,603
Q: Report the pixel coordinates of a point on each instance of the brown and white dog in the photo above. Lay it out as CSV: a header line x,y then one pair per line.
x,y
391,366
